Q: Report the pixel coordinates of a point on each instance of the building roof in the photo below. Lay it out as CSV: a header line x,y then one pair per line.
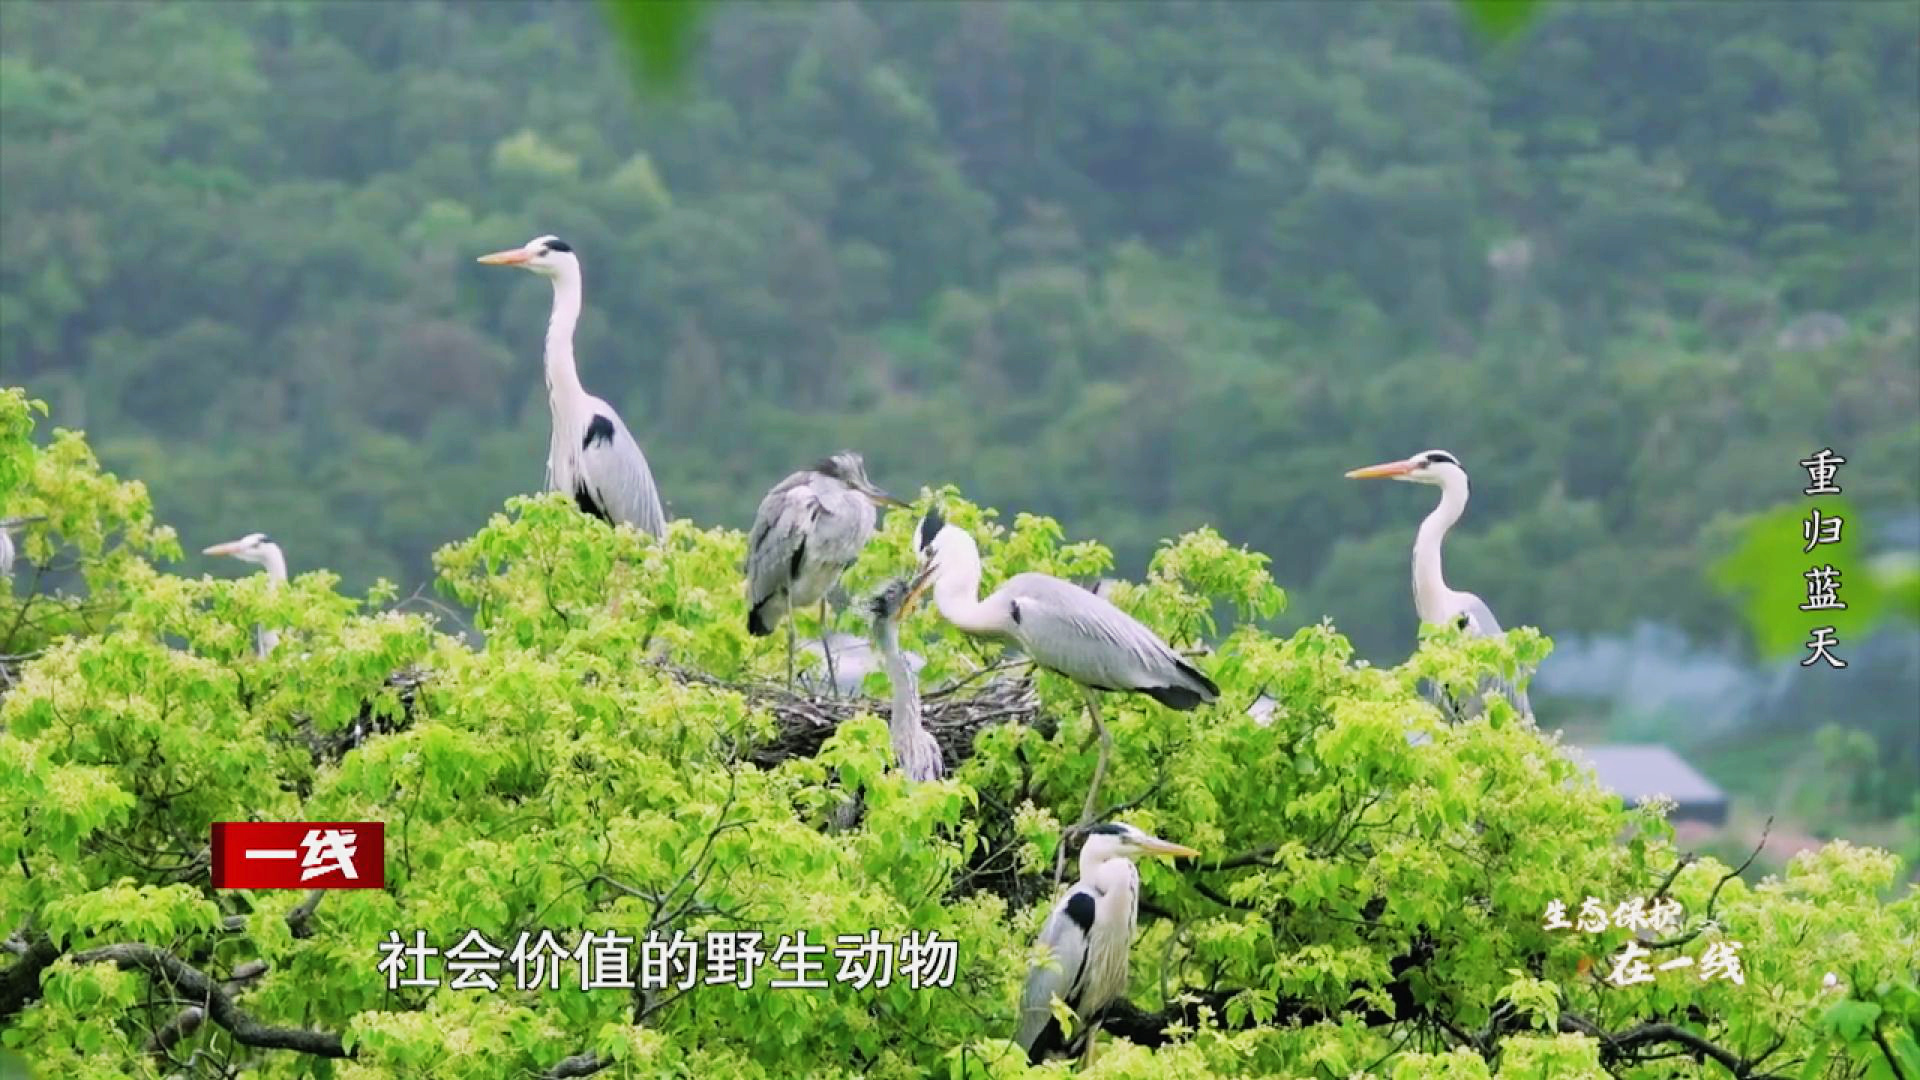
x,y
1638,771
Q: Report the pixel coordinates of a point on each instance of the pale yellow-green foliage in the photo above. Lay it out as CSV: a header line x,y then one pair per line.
x,y
561,767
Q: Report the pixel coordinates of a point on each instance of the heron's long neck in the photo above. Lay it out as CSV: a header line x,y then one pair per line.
x,y
276,564
563,378
1429,585
956,592
906,688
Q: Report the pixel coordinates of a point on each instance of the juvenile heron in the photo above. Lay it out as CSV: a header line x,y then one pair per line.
x,y
1059,626
1432,599
592,456
808,530
256,548
1090,933
914,749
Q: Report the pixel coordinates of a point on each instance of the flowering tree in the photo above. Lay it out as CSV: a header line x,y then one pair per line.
x,y
604,756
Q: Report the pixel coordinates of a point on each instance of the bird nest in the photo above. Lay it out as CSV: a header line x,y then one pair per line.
x,y
953,714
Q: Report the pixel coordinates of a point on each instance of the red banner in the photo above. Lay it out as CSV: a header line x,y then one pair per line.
x,y
299,855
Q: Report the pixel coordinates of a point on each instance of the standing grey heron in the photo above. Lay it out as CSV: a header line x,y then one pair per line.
x,y
256,548
808,530
915,751
1090,933
7,525
592,456
1061,627
1432,599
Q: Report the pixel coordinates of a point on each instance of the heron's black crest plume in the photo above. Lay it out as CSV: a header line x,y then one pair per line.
x,y
1106,828
887,601
558,244
846,466
930,527
1438,457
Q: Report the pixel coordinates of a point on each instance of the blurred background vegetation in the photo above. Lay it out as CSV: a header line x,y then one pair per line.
x,y
1141,267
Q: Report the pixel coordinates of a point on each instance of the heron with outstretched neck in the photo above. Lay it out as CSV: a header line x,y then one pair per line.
x,y
260,550
591,456
913,748
1435,602
1059,626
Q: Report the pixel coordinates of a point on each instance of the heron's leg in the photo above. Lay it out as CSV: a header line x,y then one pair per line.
x,y
789,652
833,680
1100,764
1093,1033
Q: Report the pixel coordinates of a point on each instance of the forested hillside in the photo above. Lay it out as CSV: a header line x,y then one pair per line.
x,y
1140,267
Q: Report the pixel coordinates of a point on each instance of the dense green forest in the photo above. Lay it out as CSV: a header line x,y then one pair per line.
x,y
1139,267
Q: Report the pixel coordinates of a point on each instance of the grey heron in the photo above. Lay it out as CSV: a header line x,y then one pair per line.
x,y
808,530
1059,626
7,525
258,549
1089,933
1432,599
592,455
915,751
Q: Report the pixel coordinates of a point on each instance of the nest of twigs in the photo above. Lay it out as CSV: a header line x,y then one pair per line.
x,y
953,714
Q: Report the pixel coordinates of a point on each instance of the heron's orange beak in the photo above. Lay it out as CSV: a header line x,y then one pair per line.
x,y
510,257
919,585
1390,468
1156,846
227,548
884,499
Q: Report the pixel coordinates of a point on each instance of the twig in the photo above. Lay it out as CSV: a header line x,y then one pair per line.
x,y
1714,897
1672,875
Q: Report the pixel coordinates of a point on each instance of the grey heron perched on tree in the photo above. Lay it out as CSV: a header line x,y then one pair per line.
x,y
258,549
1061,627
1432,599
808,530
7,525
915,751
592,455
1090,934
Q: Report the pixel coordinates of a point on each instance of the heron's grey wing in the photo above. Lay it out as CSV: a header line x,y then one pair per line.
x,y
779,529
1068,940
1481,623
845,524
617,473
1082,636
1480,620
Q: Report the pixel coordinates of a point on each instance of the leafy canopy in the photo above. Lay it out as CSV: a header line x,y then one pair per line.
x,y
581,758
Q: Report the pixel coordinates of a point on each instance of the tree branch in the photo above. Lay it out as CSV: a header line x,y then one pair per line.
x,y
21,983
220,1007
577,1065
1621,1045
1714,897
